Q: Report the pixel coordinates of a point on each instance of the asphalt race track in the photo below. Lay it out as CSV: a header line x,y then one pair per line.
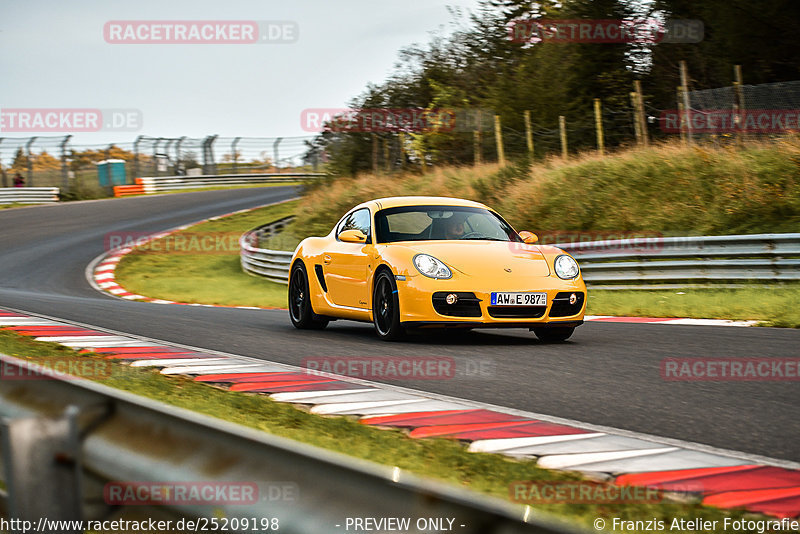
x,y
607,374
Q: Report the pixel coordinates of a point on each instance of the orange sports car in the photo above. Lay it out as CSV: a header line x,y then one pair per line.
x,y
431,262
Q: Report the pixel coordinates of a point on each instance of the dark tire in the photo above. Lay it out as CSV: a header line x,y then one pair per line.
x,y
300,310
386,308
554,335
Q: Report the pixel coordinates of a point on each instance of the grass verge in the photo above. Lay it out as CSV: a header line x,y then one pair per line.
x,y
212,276
771,306
442,459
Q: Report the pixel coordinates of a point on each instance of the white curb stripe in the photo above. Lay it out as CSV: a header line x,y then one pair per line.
x,y
211,369
357,407
169,362
667,461
593,445
300,396
377,395
572,461
501,445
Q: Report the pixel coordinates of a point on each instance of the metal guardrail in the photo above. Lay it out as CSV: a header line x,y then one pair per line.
x,y
157,184
57,463
677,261
28,195
664,262
271,264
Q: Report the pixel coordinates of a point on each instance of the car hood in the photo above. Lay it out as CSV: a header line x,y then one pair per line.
x,y
487,258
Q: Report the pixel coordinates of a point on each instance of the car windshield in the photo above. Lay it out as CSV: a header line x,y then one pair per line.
x,y
441,223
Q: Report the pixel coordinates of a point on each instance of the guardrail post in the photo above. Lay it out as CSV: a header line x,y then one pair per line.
x,y
136,158
275,152
178,155
64,167
42,468
155,156
166,154
3,170
209,167
30,160
234,155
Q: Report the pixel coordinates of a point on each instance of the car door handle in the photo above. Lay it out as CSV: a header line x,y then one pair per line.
x,y
326,259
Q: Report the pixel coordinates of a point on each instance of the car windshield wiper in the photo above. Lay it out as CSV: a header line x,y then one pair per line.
x,y
482,239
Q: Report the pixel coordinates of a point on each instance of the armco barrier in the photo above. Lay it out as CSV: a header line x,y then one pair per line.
x,y
28,195
65,439
678,261
665,262
159,184
271,264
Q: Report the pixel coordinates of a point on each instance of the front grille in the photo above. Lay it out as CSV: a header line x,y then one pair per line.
x,y
561,306
518,312
467,305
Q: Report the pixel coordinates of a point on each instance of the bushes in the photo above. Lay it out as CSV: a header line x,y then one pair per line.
x,y
667,188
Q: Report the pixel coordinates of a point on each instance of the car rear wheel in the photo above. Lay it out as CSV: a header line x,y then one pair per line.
x,y
554,335
386,308
300,311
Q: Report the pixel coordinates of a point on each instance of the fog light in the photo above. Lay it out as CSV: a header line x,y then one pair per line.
x,y
451,298
573,298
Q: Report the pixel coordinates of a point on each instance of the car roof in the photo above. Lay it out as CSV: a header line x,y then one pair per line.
x,y
394,202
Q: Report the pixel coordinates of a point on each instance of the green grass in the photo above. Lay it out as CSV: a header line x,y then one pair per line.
x,y
772,306
211,278
442,459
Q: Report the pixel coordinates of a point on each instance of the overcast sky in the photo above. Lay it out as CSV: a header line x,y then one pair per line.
x,y
54,55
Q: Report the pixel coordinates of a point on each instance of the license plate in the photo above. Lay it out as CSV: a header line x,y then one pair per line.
x,y
519,299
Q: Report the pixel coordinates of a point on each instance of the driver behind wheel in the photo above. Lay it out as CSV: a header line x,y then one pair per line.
x,y
454,228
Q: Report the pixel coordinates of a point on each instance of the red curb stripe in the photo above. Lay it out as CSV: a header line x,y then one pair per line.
x,y
634,319
59,333
452,417
235,378
657,478
270,386
159,356
335,385
732,499
788,507
134,350
757,478
452,430
517,430
390,420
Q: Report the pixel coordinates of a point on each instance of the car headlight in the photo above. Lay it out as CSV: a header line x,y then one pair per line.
x,y
431,267
566,267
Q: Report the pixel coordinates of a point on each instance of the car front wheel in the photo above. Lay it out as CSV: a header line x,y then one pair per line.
x,y
386,308
300,311
555,334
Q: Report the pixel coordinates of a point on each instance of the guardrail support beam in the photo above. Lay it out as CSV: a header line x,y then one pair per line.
x,y
42,467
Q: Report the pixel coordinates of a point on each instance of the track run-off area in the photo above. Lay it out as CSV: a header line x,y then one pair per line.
x,y
608,374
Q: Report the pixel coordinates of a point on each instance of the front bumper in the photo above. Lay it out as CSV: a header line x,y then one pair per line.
x,y
417,308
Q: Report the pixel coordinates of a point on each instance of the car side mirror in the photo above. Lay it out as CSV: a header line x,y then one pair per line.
x,y
529,237
352,236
